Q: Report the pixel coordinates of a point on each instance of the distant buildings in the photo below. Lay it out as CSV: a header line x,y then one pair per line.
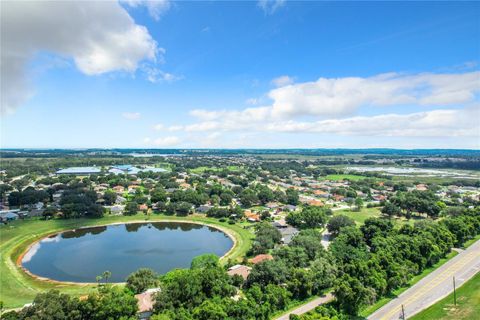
x,y
117,169
80,170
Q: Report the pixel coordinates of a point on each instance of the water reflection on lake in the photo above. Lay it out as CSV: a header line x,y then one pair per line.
x,y
80,255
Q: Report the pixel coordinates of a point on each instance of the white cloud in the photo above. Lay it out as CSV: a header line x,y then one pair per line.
x,y
158,127
156,8
435,123
175,128
341,97
282,81
170,141
270,6
154,74
131,115
99,36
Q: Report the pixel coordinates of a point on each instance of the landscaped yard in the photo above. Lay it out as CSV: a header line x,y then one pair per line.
x,y
18,288
468,304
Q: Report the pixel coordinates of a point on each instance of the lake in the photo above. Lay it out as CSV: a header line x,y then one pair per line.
x,y
81,255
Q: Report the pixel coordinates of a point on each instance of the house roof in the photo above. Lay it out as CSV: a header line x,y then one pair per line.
x,y
260,258
240,270
145,300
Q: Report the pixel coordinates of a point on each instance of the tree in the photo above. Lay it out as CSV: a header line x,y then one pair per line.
x,y
131,208
52,305
106,275
309,217
359,203
352,295
203,261
110,303
292,196
266,237
209,310
391,209
324,273
248,198
110,197
268,272
141,280
337,222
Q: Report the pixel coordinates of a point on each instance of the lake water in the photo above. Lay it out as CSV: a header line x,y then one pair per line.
x,y
83,254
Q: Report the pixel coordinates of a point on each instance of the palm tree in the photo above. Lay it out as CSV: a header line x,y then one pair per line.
x,y
106,274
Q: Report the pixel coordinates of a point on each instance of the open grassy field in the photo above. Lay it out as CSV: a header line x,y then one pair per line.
x,y
340,177
361,215
468,304
18,288
200,170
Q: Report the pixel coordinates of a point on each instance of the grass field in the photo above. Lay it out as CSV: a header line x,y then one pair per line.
x,y
200,170
18,288
360,216
340,177
468,304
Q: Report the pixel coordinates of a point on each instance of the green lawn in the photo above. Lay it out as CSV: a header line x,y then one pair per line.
x,y
340,177
200,170
360,216
468,304
18,288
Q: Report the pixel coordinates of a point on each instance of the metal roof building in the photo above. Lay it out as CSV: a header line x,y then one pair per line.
x,y
79,170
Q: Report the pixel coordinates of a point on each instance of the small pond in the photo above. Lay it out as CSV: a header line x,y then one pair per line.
x,y
81,255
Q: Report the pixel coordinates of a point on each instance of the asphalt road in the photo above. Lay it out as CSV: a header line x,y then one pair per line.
x,y
433,287
307,306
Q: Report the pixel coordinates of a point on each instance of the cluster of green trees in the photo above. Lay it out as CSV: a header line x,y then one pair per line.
x,y
27,196
378,258
309,217
261,194
79,201
406,203
266,237
106,303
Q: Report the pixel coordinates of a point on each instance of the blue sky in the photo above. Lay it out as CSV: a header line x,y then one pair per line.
x,y
267,74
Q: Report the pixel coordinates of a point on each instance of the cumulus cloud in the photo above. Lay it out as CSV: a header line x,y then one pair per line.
x,y
158,127
282,81
342,97
270,6
169,141
99,36
435,123
131,115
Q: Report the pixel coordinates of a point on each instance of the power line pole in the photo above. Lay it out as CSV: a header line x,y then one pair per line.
x,y
403,313
454,292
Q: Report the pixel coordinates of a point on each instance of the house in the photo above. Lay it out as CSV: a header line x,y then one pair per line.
x,y
120,200
117,210
251,216
8,216
260,258
143,207
316,203
203,208
421,187
119,189
80,170
145,302
289,207
240,270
